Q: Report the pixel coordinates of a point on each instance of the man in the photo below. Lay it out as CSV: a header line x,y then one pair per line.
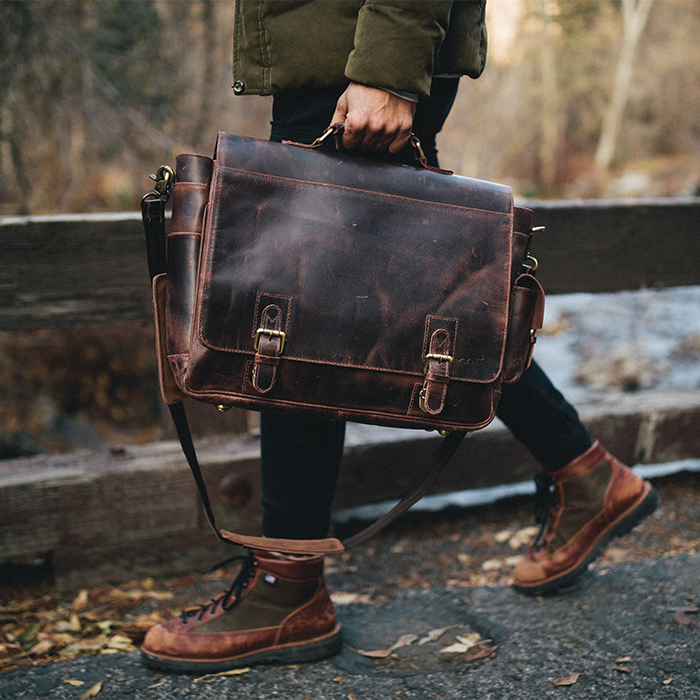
x,y
385,69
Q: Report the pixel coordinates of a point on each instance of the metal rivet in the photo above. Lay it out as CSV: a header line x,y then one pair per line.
x,y
239,87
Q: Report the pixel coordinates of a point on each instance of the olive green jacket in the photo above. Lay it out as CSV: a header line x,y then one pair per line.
x,y
393,44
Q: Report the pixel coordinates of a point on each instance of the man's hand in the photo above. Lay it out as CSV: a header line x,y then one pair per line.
x,y
375,120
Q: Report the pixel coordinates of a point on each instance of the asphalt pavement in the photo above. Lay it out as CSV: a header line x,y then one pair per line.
x,y
626,631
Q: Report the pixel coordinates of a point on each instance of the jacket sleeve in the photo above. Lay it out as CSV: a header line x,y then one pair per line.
x,y
396,44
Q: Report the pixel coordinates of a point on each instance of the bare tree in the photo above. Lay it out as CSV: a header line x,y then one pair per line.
x,y
635,14
549,112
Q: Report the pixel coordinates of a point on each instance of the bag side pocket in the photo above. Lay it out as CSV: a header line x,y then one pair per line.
x,y
190,199
526,319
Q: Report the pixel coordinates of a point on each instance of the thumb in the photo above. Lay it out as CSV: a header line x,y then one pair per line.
x,y
341,110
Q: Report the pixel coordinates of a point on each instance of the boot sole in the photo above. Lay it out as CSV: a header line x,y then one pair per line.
x,y
623,527
314,650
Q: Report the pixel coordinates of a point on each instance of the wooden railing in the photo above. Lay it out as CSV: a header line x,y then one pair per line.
x,y
58,271
90,510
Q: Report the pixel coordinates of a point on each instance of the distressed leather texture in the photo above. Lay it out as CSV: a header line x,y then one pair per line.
x,y
325,282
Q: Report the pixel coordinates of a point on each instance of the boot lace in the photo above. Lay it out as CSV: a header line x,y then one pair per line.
x,y
228,599
545,506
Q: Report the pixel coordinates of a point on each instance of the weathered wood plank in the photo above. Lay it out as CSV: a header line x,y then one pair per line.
x,y
103,515
72,270
90,269
611,245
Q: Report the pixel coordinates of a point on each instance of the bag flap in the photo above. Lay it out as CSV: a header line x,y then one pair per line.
x,y
358,258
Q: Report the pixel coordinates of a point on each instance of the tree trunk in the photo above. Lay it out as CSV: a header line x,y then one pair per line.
x,y
549,112
635,14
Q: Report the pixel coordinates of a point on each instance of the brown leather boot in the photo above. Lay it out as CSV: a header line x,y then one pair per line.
x,y
591,500
277,611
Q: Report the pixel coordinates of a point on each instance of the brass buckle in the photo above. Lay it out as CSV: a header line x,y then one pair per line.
x,y
421,404
439,358
270,332
421,400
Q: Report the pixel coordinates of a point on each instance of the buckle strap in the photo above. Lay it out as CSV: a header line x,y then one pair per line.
x,y
269,345
437,369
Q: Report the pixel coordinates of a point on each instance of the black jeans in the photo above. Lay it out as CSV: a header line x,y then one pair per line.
x,y
301,454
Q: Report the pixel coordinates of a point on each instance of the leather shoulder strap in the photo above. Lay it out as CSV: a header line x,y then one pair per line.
x,y
330,545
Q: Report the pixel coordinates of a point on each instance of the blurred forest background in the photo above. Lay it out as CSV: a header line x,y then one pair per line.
x,y
580,98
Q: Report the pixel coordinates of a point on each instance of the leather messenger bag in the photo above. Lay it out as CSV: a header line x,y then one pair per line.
x,y
295,279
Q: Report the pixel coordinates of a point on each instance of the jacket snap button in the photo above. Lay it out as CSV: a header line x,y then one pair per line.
x,y
239,87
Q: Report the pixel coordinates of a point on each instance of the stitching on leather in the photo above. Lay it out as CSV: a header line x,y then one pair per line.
x,y
192,185
384,195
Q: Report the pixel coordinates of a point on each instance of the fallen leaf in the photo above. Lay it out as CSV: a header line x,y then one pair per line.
x,y
25,606
403,641
491,565
566,680
622,659
120,643
487,651
75,623
41,647
72,682
28,635
338,680
156,685
343,598
211,676
92,691
81,601
434,635
106,625
463,643
94,644
681,619
668,681
71,650
523,537
470,639
455,648
64,626
376,654
623,669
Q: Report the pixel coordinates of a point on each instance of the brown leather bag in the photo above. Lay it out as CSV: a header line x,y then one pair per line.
x,y
302,280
